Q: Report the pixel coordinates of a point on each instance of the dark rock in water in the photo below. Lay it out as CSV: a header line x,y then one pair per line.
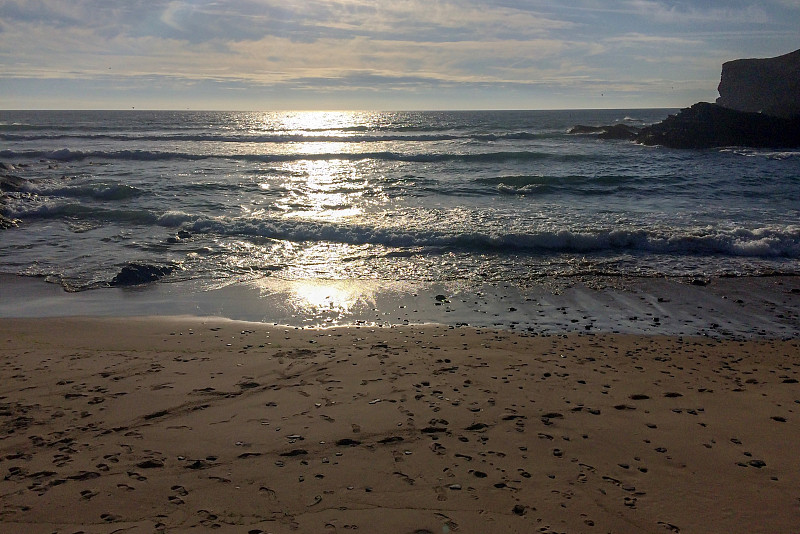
x,y
707,125
769,86
615,131
6,222
582,129
11,183
182,234
136,273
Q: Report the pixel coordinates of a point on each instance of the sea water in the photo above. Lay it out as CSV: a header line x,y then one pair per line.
x,y
474,196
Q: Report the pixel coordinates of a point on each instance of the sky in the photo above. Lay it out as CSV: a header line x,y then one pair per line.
x,y
379,54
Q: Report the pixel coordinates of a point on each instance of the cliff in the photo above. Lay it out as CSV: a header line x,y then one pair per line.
x,y
758,106
769,86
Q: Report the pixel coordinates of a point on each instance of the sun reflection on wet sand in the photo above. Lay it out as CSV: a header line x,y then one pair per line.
x,y
324,301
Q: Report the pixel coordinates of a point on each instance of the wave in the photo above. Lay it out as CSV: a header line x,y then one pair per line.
x,y
760,242
97,191
572,184
277,138
66,155
76,210
766,242
764,153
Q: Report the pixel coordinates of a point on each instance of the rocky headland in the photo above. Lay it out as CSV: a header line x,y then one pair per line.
x,y
759,106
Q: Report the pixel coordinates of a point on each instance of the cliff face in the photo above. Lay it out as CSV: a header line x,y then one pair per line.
x,y
769,86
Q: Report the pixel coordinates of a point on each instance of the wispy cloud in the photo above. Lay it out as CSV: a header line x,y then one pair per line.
x,y
327,45
668,12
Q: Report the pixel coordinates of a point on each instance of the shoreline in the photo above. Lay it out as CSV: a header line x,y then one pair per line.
x,y
721,307
155,424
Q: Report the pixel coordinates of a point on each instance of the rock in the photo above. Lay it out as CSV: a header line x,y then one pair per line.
x,y
581,129
706,125
10,183
6,222
759,107
619,131
769,86
135,274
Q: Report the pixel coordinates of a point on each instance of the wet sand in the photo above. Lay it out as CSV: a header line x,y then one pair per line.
x,y
186,424
743,307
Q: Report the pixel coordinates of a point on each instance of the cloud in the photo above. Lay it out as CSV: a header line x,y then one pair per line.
x,y
332,45
682,13
270,41
635,39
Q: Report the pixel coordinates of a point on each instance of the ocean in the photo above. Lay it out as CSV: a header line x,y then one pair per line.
x,y
467,197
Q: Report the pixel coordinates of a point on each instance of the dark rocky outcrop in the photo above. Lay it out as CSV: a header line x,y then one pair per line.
x,y
769,86
135,274
8,184
759,106
706,125
7,222
614,131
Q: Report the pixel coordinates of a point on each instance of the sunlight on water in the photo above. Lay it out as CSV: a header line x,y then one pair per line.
x,y
316,121
416,196
322,190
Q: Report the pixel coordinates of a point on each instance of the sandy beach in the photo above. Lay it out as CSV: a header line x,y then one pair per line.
x,y
189,424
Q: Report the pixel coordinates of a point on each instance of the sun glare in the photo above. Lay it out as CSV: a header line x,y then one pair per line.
x,y
323,301
310,122
321,295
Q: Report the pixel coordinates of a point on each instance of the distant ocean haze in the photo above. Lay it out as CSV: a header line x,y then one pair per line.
x,y
422,196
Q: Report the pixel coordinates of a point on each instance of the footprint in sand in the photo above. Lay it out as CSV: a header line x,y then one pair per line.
x,y
88,494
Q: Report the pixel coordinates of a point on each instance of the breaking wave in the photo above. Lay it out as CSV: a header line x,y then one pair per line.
x,y
276,138
66,155
760,242
97,191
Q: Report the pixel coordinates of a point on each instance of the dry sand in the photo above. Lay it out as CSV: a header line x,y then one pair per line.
x,y
172,425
